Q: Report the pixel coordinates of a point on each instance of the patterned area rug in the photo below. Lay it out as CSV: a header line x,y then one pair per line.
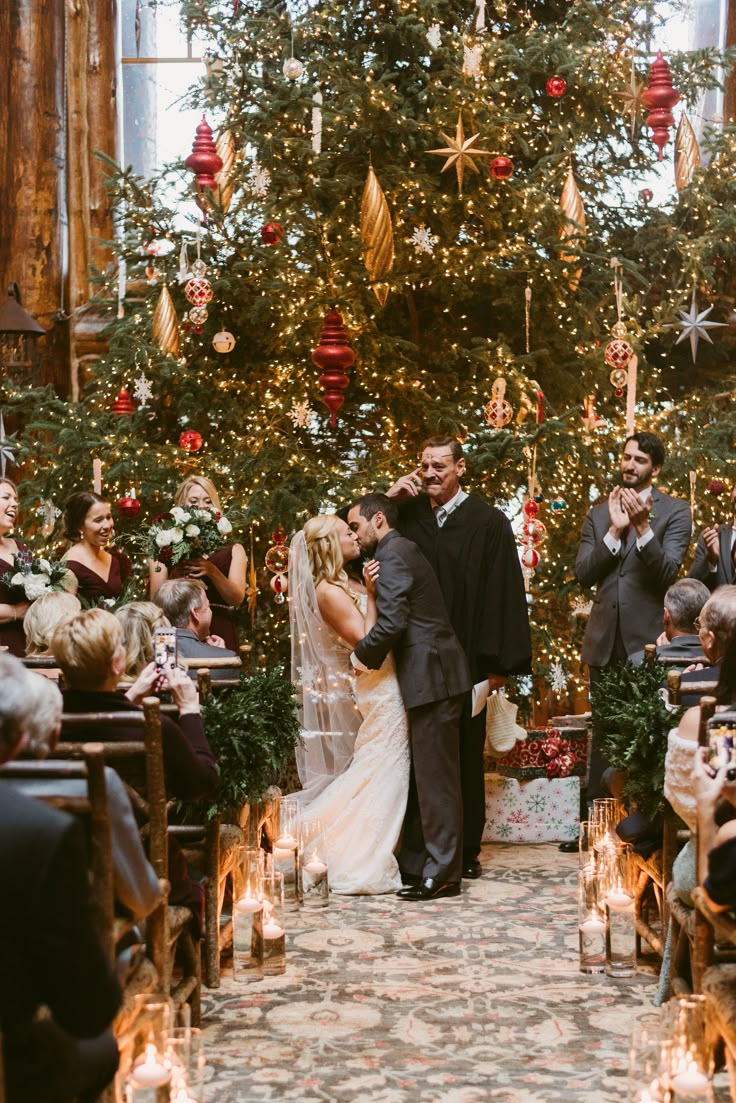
x,y
462,1000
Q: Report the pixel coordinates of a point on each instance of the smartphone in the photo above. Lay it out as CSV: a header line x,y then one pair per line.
x,y
722,743
164,647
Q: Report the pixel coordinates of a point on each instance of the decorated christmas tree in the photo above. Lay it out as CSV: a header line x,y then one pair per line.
x,y
444,201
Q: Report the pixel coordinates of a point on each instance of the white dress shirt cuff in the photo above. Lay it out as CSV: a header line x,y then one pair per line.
x,y
642,541
712,567
614,546
357,664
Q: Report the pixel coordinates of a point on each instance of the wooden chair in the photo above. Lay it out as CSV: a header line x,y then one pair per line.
x,y
140,764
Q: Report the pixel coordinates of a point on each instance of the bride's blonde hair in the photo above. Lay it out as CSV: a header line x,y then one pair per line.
x,y
325,555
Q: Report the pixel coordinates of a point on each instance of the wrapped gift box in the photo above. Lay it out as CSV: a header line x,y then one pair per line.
x,y
545,753
535,811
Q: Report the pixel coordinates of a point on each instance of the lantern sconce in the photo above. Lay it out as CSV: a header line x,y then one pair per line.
x,y
20,359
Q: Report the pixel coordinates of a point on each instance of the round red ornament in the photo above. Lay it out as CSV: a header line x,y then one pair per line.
x,y
501,168
128,507
272,233
529,557
556,87
190,440
530,508
534,531
716,487
198,291
123,404
618,353
646,195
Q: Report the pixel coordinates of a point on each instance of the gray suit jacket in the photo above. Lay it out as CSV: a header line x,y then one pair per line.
x,y
190,647
413,623
723,574
630,586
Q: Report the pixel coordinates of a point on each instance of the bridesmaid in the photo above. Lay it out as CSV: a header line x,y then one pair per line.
x,y
101,571
222,572
11,612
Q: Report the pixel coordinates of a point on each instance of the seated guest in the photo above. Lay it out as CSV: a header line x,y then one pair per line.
x,y
50,953
138,620
714,557
44,615
683,603
136,884
187,607
716,800
716,627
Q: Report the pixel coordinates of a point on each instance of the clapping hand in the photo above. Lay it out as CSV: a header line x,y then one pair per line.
x,y
617,513
371,571
637,511
408,486
711,541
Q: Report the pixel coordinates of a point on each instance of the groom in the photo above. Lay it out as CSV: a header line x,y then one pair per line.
x,y
434,676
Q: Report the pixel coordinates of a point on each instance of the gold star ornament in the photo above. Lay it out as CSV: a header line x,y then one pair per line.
x,y
460,152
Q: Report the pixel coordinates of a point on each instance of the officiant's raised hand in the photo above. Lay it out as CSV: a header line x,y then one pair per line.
x,y
408,486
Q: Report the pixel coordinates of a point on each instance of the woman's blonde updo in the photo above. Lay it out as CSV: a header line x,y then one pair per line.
x,y
325,555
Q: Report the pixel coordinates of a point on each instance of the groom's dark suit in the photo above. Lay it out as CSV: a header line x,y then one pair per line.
x,y
433,675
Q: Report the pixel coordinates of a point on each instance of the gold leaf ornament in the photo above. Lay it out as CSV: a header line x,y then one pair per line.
x,y
225,147
687,153
165,327
377,235
573,229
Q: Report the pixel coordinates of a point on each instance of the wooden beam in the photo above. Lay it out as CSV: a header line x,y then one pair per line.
x,y
729,100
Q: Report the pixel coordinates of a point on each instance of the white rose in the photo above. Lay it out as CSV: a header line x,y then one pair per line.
x,y
191,530
165,537
224,526
180,515
18,579
176,535
36,584
45,565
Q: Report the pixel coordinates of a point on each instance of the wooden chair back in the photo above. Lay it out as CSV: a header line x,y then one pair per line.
x,y
93,810
701,689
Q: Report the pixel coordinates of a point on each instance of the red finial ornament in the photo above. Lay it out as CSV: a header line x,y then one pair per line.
x,y
660,97
332,356
204,160
123,404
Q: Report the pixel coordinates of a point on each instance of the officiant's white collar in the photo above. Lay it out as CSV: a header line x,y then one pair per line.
x,y
451,506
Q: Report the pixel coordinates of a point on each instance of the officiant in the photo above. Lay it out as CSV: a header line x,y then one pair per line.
x,y
471,547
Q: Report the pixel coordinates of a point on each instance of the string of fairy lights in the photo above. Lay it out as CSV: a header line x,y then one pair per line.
x,y
386,97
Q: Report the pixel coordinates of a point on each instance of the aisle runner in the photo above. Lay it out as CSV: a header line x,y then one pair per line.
x,y
469,999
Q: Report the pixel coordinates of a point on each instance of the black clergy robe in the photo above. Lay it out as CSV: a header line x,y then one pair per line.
x,y
475,558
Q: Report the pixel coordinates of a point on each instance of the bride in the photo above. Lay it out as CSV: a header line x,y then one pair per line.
x,y
354,763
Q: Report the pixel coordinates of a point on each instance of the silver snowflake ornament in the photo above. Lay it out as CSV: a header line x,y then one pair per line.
x,y
301,414
48,513
142,390
423,240
694,326
434,36
558,677
260,180
471,61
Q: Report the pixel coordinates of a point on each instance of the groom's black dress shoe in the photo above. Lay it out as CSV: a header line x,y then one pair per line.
x,y
472,869
569,847
429,889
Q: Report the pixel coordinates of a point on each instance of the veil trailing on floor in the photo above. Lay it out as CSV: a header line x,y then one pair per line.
x,y
321,672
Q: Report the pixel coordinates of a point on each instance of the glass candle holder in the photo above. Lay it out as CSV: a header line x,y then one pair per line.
x,y
315,889
690,1060
149,1071
647,1070
618,878
274,925
247,874
185,1054
286,853
586,843
591,922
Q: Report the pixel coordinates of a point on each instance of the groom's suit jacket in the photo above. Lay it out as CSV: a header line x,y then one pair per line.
x,y
413,624
630,586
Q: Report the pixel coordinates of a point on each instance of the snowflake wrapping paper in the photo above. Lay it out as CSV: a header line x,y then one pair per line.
x,y
527,759
536,811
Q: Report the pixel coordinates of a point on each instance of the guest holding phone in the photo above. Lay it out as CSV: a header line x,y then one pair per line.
x,y
11,611
222,572
101,570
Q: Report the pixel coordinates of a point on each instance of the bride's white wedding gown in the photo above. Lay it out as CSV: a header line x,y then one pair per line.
x,y
361,812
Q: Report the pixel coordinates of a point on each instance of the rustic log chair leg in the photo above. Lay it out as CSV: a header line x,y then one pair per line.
x,y
188,990
211,905
702,953
157,938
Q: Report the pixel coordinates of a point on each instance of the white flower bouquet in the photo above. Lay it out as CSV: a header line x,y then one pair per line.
x,y
186,534
30,578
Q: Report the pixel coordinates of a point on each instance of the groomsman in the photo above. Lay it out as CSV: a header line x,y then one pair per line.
x,y
714,555
471,547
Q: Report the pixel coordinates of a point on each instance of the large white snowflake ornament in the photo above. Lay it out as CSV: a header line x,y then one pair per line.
x,y
142,390
48,512
301,414
471,61
558,677
260,180
581,607
434,36
423,240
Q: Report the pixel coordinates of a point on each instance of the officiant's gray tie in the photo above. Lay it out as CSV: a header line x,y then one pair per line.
x,y
441,515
